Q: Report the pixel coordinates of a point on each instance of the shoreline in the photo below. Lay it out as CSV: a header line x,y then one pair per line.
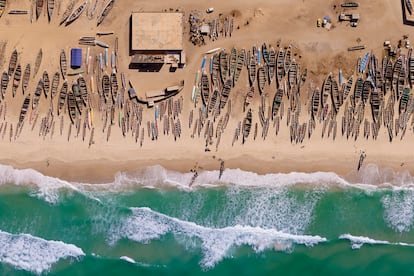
x,y
103,171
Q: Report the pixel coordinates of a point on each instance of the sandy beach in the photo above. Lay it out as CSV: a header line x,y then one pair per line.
x,y
285,23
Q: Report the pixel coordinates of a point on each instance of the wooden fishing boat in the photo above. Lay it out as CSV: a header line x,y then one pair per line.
x,y
3,46
265,53
271,65
106,86
76,13
91,13
72,106
326,90
252,70
249,98
388,74
404,100
315,102
13,63
255,55
105,11
411,70
20,12
241,57
205,88
247,125
46,83
83,90
225,92
396,71
336,101
384,66
401,81
67,12
78,97
232,62
280,68
366,90
2,6
50,8
37,62
277,100
347,88
114,87
215,69
26,78
358,90
409,6
16,79
36,96
288,59
350,5
62,97
375,105
55,84
261,78
23,110
39,8
101,44
292,73
224,66
213,100
4,83
63,64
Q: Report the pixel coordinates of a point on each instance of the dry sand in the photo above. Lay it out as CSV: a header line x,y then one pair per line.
x,y
290,22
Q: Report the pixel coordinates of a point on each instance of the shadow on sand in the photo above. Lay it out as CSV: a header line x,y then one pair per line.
x,y
404,15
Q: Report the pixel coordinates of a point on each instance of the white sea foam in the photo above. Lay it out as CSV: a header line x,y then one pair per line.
x,y
270,208
358,241
399,210
34,254
127,259
145,225
46,187
369,178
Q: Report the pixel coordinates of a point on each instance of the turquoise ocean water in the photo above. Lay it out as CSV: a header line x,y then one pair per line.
x,y
150,222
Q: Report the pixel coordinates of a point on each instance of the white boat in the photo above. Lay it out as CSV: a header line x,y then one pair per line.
x,y
213,51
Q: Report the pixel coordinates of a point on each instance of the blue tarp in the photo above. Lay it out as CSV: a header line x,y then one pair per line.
x,y
76,58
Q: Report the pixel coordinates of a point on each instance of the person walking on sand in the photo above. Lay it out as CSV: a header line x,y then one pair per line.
x,y
361,159
221,169
195,175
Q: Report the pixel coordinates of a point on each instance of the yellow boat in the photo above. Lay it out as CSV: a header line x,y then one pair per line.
x,y
91,117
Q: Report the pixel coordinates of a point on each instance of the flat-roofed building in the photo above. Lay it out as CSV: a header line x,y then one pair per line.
x,y
156,38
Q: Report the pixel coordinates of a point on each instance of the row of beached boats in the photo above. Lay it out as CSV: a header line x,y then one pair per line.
x,y
71,13
364,92
225,70
40,6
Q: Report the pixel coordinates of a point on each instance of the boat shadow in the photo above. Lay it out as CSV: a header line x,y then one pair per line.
x,y
404,15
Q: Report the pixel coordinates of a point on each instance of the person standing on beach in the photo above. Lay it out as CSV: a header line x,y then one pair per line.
x,y
361,159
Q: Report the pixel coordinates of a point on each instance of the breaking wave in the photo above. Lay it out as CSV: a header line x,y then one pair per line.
x,y
358,241
145,225
34,254
370,178
47,187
